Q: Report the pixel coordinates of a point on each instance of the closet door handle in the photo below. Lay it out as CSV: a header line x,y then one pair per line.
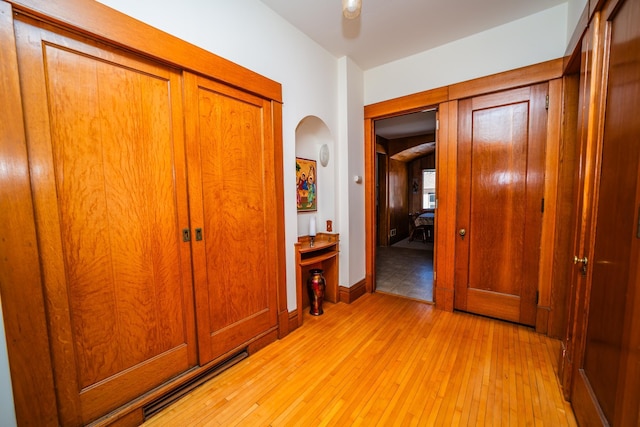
x,y
198,234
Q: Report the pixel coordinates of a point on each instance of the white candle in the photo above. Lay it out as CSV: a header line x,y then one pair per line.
x,y
312,226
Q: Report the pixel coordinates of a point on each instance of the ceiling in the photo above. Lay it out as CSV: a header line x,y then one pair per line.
x,y
388,30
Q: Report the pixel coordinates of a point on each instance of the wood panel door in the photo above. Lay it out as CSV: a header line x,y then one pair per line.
x,y
606,388
105,141
501,152
587,151
232,192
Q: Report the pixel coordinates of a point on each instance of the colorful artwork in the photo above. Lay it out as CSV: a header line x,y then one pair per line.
x,y
306,187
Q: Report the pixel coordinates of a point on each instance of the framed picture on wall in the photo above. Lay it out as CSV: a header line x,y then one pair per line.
x,y
306,185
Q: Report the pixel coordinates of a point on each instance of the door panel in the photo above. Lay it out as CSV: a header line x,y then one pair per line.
x,y
501,177
230,151
609,368
110,198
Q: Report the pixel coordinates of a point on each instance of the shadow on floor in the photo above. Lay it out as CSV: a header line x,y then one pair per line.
x,y
404,270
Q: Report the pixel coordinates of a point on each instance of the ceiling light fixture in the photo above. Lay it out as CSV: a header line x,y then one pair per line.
x,y
351,8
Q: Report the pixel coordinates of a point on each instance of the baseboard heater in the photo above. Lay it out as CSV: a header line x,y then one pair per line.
x,y
159,404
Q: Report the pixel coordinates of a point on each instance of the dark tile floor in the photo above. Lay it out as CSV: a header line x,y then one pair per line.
x,y
405,271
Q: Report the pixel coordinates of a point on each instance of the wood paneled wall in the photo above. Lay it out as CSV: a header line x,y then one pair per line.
x,y
22,271
445,228
398,200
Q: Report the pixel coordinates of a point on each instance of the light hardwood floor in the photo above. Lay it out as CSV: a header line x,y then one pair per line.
x,y
386,360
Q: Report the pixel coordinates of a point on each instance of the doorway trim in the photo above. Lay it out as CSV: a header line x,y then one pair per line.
x,y
382,110
446,100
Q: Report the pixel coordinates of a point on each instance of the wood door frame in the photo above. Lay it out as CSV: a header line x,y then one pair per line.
x,y
446,99
575,381
21,294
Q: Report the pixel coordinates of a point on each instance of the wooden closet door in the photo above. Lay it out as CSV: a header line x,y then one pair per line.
x,y
105,140
232,199
501,152
607,384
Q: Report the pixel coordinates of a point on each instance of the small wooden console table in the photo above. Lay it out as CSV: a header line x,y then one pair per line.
x,y
323,255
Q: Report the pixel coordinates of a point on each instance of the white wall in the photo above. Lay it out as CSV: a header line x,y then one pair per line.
x,y
311,134
351,165
536,38
334,90
575,9
252,35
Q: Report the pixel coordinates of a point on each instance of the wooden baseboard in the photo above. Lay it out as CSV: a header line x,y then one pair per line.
x,y
542,320
349,295
444,298
293,321
284,323
582,396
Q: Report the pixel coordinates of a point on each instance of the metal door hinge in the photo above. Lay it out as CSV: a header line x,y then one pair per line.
x,y
542,205
546,103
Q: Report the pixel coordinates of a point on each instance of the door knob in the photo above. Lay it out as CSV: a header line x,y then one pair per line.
x,y
462,232
582,260
583,269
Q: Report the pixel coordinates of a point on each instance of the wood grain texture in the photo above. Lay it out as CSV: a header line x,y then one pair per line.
x,y
323,255
565,220
385,360
444,263
501,177
117,278
349,295
230,148
587,159
611,351
520,77
20,273
103,23
551,182
278,183
445,227
406,104
370,203
398,200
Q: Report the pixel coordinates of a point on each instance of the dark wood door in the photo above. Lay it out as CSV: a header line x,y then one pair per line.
x,y
586,151
501,155
105,139
230,148
607,384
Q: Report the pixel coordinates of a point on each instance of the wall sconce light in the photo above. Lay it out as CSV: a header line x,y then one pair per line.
x,y
351,8
324,155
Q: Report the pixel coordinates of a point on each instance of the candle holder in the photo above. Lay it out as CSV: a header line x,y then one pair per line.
x,y
312,230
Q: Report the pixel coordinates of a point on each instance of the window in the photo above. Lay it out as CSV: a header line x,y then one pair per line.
x,y
428,189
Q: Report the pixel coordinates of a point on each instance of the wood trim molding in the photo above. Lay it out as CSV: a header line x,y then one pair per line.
x,y
548,235
283,323
406,104
106,24
370,204
574,48
20,275
445,232
293,320
349,295
446,99
523,76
